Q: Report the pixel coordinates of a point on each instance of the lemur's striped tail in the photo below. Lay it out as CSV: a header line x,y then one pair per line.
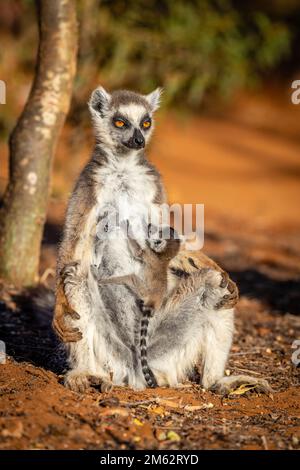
x,y
148,374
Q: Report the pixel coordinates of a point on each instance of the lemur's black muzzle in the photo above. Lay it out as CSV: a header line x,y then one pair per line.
x,y
137,140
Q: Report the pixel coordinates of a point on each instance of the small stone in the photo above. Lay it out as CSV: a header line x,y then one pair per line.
x,y
111,401
207,406
13,429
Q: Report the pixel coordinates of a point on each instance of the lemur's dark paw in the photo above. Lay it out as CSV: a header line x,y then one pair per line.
x,y
231,299
229,386
224,280
77,381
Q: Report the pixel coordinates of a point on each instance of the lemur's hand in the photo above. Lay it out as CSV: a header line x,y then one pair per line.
x,y
63,309
66,333
71,278
229,300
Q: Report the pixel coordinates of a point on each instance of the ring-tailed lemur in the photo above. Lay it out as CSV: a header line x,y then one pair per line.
x,y
103,341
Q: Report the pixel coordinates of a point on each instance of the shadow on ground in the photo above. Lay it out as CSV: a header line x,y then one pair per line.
x,y
280,296
27,331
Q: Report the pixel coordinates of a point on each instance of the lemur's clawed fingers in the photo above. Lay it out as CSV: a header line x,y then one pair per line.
x,y
77,382
231,299
224,280
221,304
66,334
72,337
232,287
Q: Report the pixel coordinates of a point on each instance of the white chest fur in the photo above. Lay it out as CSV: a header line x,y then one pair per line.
x,y
127,189
127,186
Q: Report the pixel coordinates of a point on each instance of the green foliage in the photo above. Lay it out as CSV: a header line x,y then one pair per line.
x,y
194,49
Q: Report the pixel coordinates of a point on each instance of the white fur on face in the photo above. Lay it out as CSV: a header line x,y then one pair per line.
x,y
134,113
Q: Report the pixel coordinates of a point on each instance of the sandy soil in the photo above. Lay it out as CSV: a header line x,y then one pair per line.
x,y
248,180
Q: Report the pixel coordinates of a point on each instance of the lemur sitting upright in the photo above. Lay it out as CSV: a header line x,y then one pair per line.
x,y
99,324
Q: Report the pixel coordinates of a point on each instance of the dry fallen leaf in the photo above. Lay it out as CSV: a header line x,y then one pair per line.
x,y
169,403
173,436
193,407
114,411
138,422
242,389
198,407
159,410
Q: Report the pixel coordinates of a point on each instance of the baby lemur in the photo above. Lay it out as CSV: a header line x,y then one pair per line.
x,y
151,286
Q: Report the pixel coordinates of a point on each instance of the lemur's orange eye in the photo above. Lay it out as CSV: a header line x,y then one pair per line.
x,y
146,124
119,123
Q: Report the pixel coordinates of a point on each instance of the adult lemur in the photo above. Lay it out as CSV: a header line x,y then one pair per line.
x,y
101,325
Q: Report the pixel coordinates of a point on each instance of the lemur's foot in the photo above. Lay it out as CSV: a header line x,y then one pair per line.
x,y
228,385
81,381
229,300
77,381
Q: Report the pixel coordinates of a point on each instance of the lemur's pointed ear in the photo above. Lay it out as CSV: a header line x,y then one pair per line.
x,y
154,98
99,100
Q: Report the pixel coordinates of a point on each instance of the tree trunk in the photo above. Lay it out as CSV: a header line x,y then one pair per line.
x,y
33,143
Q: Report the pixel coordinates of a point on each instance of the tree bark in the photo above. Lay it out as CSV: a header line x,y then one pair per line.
x,y
33,143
